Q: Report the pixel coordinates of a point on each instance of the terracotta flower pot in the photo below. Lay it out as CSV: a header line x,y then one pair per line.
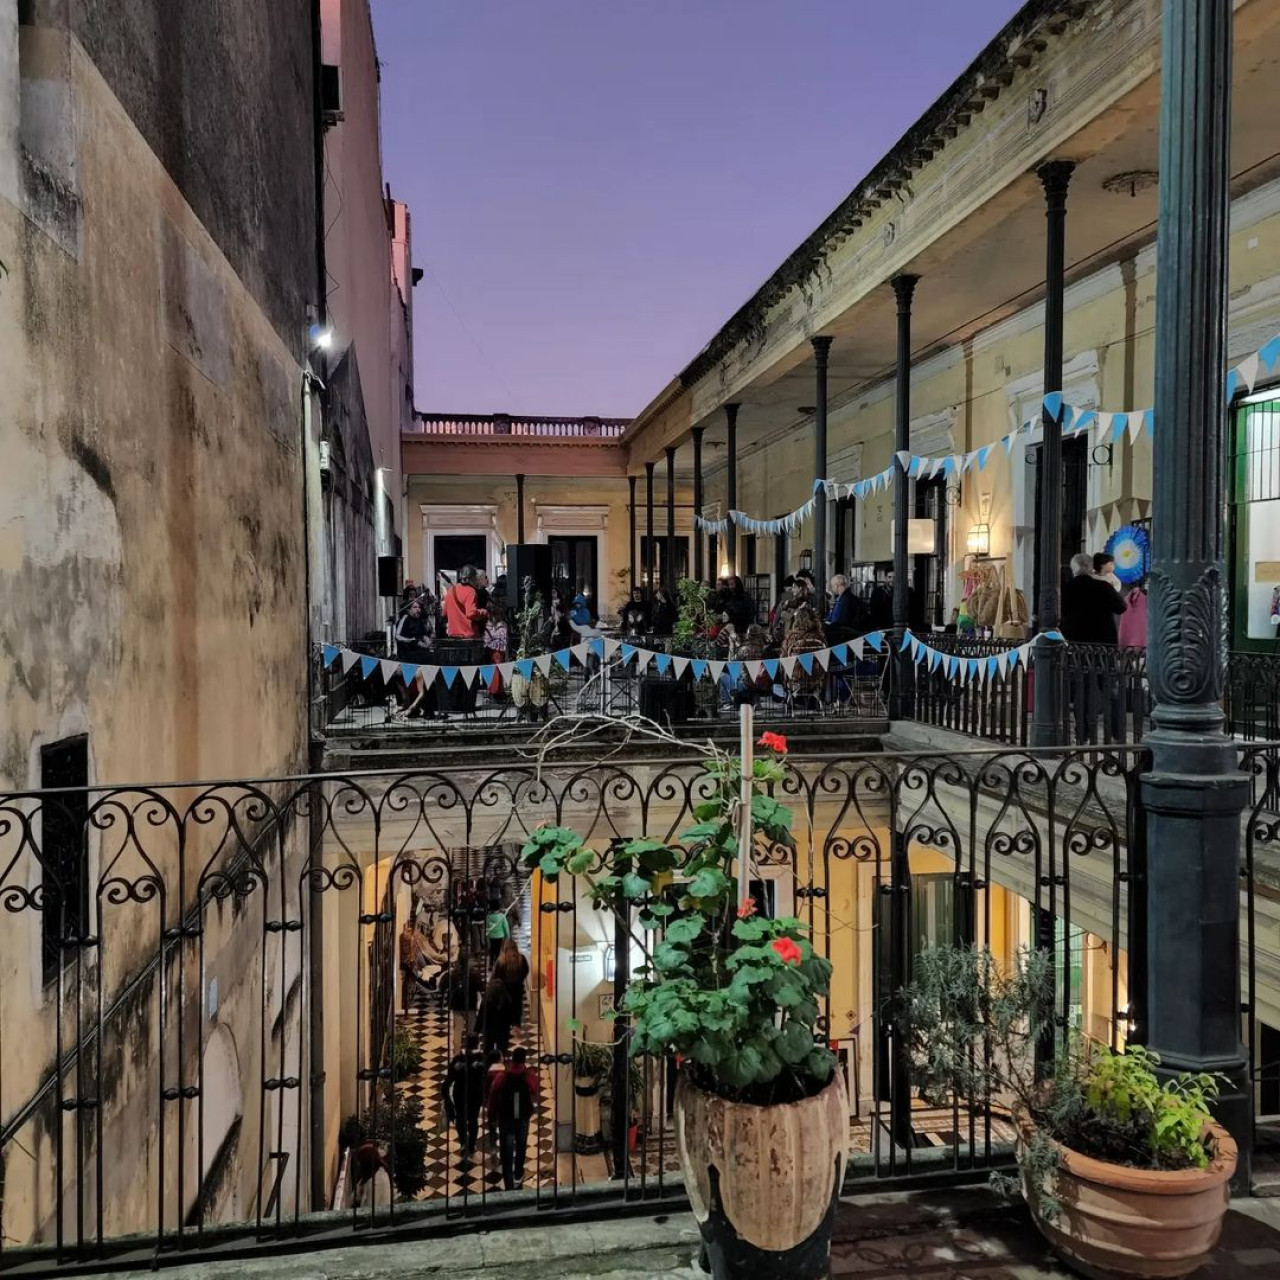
x,y
1121,1223
764,1181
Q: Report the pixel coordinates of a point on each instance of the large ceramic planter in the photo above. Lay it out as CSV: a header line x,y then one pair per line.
x,y
1121,1223
764,1181
587,1137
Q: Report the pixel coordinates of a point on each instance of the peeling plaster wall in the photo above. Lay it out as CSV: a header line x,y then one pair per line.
x,y
156,219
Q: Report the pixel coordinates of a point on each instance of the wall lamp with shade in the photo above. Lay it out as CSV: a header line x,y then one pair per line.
x,y
978,542
725,570
806,561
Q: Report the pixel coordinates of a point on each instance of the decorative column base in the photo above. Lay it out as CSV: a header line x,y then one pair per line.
x,y
1193,1009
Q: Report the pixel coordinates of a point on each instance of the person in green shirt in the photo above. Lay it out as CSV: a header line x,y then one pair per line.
x,y
498,929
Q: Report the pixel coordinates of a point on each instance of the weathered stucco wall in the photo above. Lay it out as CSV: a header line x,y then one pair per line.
x,y
156,220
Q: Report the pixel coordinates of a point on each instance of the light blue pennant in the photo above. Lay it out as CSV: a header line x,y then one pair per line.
x,y
806,662
907,641
840,653
525,668
450,675
562,656
628,652
953,665
663,663
487,673
699,668
735,671
1233,381
875,639
973,667
983,454
1053,404
329,654
935,657
771,666
368,666
1149,422
992,665
408,672
596,645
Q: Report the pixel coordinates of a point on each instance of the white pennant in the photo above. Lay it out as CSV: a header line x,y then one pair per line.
x,y
1002,664
611,647
388,669
789,665
859,647
580,652
1248,369
716,669
1024,653
1135,425
506,670
467,676
1102,428
348,658
822,657
543,663
681,665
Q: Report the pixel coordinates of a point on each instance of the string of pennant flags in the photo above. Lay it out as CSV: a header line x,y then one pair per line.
x,y
963,670
1101,425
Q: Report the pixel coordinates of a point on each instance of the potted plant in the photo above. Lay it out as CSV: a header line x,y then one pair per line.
x,y
592,1064
761,1115
1124,1175
529,694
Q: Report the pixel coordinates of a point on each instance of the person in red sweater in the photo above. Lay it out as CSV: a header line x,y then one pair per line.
x,y
463,617
512,1098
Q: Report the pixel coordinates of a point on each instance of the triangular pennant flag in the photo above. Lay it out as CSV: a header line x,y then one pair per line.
x,y
1135,425
389,668
735,671
468,675
328,652
992,666
487,673
596,645
611,647
875,639
699,668
580,651
628,652
1102,425
716,669
806,663
1054,635
663,662
1024,653
935,657
1084,423
1149,421
1053,405
543,663
1248,369
643,658
564,657
983,454
1269,353
859,647
771,666
823,657
972,664
680,665
904,459
916,646
953,665
408,673
1002,664
754,667
450,675
1233,381
788,665
505,671
368,666
524,667
1118,423
349,658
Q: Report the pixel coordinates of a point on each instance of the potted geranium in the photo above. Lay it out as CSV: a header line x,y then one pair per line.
x,y
761,1115
1124,1175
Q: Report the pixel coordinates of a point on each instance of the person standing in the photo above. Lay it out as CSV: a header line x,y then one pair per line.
x,y
497,928
1091,609
511,1103
465,1088
512,970
465,985
411,959
497,1016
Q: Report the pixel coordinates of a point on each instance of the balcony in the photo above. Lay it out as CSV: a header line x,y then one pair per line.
x,y
504,424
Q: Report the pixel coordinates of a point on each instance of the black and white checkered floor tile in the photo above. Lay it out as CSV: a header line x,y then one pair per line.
x,y
449,1173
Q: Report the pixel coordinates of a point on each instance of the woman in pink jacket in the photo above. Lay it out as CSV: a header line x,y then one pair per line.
x,y
1133,622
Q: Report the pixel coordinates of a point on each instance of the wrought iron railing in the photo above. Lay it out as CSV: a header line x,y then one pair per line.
x,y
227,1002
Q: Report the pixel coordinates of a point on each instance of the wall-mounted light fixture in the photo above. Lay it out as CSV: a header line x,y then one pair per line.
x,y
610,963
806,561
978,543
321,336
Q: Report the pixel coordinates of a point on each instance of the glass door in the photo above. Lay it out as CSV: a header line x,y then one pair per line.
x,y
1254,527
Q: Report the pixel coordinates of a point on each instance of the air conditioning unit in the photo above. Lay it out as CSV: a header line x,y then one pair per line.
x,y
330,95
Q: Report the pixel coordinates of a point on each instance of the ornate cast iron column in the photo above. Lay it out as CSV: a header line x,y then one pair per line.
x,y
731,489
669,567
699,538
520,510
902,682
821,355
1046,728
1195,792
649,558
631,513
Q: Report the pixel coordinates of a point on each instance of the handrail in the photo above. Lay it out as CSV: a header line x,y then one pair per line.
x,y
501,424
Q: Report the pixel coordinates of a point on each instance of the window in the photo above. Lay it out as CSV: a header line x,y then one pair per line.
x,y
657,565
63,849
748,554
1255,525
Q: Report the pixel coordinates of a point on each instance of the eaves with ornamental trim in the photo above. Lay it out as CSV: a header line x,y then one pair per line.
x,y
1018,45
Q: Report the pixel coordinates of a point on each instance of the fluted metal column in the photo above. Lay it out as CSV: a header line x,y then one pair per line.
x,y
648,557
902,688
821,354
631,514
699,538
520,510
669,566
1046,727
731,487
1195,792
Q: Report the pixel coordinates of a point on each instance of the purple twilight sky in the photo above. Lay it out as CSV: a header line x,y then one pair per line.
x,y
596,185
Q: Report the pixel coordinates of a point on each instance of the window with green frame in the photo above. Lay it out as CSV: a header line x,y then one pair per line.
x,y
1255,523
1068,962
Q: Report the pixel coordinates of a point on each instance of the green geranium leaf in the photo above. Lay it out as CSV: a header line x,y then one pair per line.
x,y
634,886
668,957
820,1063
685,930
710,882
577,863
741,1068
751,929
794,1044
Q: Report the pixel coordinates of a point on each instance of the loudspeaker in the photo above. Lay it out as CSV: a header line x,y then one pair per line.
x,y
528,560
389,583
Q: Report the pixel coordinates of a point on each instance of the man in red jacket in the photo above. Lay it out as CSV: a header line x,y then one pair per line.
x,y
464,619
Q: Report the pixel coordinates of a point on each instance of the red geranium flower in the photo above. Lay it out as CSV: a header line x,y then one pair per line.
x,y
774,741
787,950
748,908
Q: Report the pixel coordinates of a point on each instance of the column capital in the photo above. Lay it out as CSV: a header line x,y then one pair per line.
x,y
731,413
671,452
696,432
1055,178
904,287
648,469
821,347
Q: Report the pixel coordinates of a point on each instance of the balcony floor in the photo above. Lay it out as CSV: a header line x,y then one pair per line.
x,y
934,1235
